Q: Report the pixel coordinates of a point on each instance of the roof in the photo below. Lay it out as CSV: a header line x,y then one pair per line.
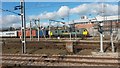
x,y
98,18
84,25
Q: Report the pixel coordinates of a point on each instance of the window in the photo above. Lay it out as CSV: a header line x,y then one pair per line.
x,y
77,30
73,30
66,31
55,31
62,31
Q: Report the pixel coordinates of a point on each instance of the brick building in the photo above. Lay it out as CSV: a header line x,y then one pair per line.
x,y
110,22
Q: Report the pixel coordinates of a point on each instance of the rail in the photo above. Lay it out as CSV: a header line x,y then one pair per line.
x,y
36,59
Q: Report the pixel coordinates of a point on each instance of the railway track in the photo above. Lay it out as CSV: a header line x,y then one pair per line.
x,y
78,44
59,60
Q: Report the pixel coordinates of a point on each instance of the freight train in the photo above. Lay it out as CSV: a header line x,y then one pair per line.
x,y
46,33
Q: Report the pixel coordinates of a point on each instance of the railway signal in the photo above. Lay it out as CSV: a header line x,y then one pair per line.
x,y
100,29
101,36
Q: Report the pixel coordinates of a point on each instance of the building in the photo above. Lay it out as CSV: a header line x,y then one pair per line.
x,y
109,23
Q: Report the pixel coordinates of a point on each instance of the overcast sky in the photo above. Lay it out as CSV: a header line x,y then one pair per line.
x,y
55,10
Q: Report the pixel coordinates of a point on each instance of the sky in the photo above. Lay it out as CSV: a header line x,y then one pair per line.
x,y
61,0
54,10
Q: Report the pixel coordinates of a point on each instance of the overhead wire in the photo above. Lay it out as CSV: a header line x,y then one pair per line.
x,y
9,11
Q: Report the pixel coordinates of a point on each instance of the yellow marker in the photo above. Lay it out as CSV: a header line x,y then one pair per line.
x,y
51,33
85,32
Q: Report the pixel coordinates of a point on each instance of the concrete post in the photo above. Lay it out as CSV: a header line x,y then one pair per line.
x,y
113,48
69,46
30,31
70,36
101,42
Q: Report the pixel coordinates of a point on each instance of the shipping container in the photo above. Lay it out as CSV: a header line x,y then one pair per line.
x,y
41,33
8,34
19,33
47,34
0,34
33,33
28,33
